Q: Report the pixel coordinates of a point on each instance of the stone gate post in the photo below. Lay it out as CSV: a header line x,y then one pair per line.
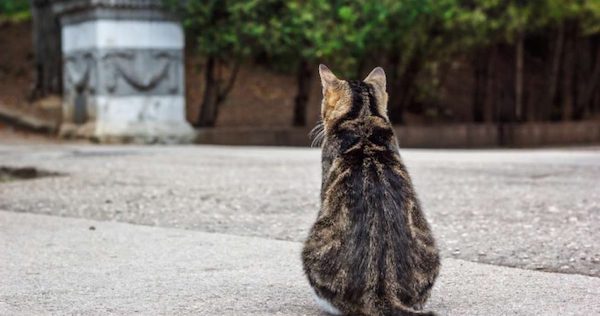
x,y
123,71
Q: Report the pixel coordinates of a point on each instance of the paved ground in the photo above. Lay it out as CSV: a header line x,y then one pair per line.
x,y
60,266
244,210
534,209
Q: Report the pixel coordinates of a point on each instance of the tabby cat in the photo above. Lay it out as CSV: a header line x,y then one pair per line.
x,y
370,251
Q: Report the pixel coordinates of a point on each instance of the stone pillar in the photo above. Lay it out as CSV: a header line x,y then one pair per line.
x,y
123,71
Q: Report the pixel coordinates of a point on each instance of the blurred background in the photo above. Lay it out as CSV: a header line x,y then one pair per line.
x,y
461,73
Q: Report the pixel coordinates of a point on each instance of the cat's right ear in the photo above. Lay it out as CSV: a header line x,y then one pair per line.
x,y
377,76
328,79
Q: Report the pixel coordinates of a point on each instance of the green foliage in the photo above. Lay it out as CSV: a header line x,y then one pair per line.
x,y
295,31
502,20
217,27
313,31
14,10
347,32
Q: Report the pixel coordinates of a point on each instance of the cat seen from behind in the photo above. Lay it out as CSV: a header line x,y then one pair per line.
x,y
371,251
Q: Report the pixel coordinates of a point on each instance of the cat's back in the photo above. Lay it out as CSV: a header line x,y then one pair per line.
x,y
367,176
368,199
369,231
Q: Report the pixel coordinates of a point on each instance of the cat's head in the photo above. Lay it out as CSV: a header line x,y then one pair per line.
x,y
355,111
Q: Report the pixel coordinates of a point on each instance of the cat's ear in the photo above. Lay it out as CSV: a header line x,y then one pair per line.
x,y
377,77
328,79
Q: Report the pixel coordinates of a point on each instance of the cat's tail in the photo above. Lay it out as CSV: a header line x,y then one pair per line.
x,y
410,313
406,311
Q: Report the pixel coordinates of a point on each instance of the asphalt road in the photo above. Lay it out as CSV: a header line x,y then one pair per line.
x,y
532,209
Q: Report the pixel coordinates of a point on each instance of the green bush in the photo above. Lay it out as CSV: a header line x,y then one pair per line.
x,y
14,10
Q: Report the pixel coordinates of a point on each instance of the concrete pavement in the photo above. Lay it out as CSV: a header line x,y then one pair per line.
x,y
53,265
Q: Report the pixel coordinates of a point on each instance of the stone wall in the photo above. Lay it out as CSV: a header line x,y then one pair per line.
x,y
443,136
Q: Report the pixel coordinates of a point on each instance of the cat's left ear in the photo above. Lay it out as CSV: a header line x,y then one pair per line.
x,y
328,79
377,77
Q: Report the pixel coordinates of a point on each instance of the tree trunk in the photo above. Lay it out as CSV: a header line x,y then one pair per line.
x,y
490,89
402,86
230,83
480,73
304,79
555,71
361,68
47,50
409,77
395,108
595,101
504,97
590,85
519,78
568,74
208,110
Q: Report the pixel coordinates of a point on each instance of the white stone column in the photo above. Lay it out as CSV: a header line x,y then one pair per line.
x,y
123,71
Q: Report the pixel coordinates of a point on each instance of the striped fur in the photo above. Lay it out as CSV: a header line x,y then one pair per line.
x,y
370,251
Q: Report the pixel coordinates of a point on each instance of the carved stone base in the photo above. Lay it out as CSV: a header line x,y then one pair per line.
x,y
138,133
123,72
145,133
140,119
